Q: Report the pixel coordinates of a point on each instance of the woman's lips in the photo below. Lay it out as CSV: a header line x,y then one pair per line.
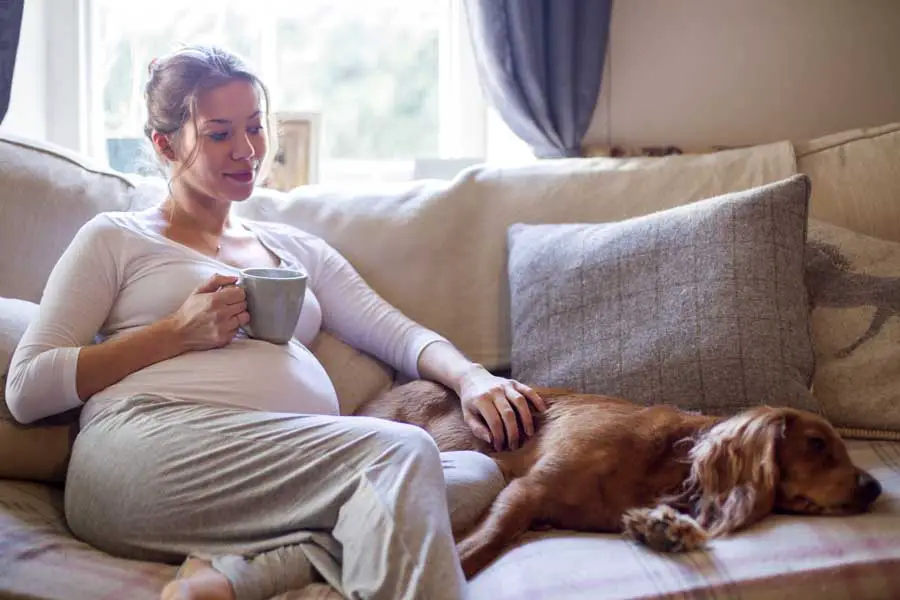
x,y
242,176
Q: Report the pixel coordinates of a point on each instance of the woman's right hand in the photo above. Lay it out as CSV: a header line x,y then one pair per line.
x,y
212,314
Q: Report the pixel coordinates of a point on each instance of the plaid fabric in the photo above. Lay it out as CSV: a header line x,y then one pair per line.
x,y
39,558
783,557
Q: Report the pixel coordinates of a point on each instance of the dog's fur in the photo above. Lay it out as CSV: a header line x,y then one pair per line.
x,y
663,477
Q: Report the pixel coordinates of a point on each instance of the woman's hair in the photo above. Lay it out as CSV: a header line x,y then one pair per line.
x,y
177,80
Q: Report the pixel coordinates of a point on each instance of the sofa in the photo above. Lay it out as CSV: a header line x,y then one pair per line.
x,y
439,250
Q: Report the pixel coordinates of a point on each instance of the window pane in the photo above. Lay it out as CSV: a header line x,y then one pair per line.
x,y
131,34
370,69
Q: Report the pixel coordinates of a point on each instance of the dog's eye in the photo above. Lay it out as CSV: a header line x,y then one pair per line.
x,y
816,444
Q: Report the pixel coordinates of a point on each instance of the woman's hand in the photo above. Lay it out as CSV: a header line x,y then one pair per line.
x,y
212,314
501,404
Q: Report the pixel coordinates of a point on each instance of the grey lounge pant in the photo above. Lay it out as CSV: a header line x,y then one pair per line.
x,y
277,500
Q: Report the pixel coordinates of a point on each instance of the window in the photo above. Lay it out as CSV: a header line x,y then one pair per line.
x,y
390,78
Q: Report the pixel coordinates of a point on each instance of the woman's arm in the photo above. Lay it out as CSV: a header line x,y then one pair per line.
x,y
76,301
101,365
208,319
57,365
358,315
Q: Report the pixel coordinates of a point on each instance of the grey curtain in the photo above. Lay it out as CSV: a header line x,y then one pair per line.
x,y
540,63
10,25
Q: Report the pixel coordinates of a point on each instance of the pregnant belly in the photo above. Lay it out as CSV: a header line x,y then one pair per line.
x,y
247,373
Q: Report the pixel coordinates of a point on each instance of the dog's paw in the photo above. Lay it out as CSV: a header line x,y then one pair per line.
x,y
664,529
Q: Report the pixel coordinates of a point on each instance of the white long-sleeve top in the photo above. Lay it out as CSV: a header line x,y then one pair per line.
x,y
120,274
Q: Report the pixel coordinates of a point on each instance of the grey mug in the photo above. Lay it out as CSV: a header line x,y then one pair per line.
x,y
274,300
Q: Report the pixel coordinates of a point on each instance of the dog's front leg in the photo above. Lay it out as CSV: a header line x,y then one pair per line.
x,y
510,515
664,529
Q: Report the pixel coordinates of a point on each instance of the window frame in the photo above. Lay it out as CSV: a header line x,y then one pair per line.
x,y
75,110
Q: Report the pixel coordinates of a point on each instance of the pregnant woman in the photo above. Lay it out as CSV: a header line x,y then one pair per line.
x,y
200,443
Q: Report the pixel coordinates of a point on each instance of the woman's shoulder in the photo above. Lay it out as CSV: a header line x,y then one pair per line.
x,y
282,231
108,222
109,227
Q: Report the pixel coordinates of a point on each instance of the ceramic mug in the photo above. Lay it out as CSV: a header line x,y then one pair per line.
x,y
274,300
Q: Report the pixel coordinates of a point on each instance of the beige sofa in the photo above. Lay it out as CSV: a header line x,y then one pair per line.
x,y
438,250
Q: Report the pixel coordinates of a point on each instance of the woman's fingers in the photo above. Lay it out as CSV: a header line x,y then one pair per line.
x,y
532,395
488,411
510,420
521,405
504,414
477,427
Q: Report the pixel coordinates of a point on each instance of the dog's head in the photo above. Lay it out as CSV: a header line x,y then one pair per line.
x,y
816,475
774,459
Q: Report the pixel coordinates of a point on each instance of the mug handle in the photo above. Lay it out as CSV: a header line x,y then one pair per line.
x,y
246,326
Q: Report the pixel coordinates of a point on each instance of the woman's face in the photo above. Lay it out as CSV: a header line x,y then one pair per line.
x,y
229,141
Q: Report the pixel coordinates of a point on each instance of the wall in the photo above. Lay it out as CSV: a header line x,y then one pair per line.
x,y
27,114
698,73
690,72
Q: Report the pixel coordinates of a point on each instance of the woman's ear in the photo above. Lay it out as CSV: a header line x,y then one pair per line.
x,y
163,145
734,470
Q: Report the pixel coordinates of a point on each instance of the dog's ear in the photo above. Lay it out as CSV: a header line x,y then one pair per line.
x,y
734,470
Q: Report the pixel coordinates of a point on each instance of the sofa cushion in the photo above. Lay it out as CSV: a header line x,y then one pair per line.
x,y
41,558
856,181
357,376
437,250
48,193
15,315
39,451
702,306
854,284
832,558
782,557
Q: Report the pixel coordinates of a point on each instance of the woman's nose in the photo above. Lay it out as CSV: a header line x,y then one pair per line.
x,y
243,148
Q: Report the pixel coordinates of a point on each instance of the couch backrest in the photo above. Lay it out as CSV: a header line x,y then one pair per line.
x,y
855,179
46,194
437,248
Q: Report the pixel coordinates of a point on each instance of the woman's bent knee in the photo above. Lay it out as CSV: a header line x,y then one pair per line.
x,y
102,507
401,437
473,482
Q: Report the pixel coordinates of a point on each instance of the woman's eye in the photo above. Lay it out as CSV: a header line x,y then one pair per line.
x,y
219,136
256,130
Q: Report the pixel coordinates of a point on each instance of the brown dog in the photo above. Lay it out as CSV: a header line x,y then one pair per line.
x,y
664,477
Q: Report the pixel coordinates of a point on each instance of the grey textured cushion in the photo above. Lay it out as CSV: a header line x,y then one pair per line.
x,y
854,284
703,305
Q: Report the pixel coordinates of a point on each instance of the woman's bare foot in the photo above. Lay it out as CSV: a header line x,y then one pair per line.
x,y
197,580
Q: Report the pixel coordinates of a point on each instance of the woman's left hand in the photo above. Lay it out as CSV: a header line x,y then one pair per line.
x,y
500,404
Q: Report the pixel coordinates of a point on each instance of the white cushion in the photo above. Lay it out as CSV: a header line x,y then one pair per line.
x,y
48,193
437,250
855,179
36,452
15,315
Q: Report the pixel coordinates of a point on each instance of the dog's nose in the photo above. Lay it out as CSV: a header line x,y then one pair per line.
x,y
869,488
